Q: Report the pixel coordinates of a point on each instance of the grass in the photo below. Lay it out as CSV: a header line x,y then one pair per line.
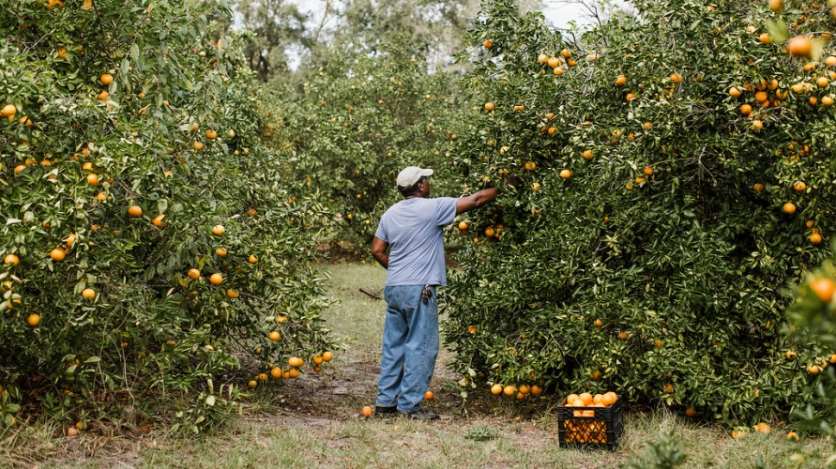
x,y
313,422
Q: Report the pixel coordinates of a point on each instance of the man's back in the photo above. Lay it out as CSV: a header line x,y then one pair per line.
x,y
413,230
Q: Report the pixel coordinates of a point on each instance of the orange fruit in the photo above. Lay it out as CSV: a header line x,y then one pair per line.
x,y
295,362
530,166
597,399
57,254
367,410
275,336
815,238
33,320
197,146
317,359
193,274
135,211
799,186
218,230
734,92
598,323
221,251
252,259
488,44
565,53
293,373
232,293
586,398
765,38
88,293
788,208
471,329
690,412
566,173
489,106
211,134
158,221
822,82
536,390
813,369
252,383
630,97
792,436
276,373
622,336
587,154
832,358
669,388
827,101
463,225
790,355
496,389
776,5
11,259
509,390
102,96
813,100
758,187
676,78
216,279
648,171
106,79
489,232
93,180
609,399
280,319
800,46
428,396
745,109
823,288
621,80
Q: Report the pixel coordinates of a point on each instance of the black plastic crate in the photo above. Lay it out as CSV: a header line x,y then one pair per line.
x,y
590,426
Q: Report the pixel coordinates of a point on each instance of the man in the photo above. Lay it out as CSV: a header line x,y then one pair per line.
x,y
411,231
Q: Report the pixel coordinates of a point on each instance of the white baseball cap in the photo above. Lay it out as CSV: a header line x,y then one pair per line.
x,y
410,175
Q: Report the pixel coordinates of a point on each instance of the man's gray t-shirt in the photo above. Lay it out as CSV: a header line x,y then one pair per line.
x,y
412,227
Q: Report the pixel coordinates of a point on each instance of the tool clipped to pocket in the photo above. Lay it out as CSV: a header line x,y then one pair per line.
x,y
426,294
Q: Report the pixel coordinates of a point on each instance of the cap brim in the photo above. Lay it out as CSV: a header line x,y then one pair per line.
x,y
426,172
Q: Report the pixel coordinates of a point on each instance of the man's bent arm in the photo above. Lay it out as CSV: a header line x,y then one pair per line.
x,y
475,200
379,248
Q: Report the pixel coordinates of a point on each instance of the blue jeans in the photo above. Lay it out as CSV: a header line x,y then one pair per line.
x,y
410,347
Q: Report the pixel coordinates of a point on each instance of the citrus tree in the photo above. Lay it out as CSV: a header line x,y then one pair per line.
x,y
144,232
353,127
675,177
811,320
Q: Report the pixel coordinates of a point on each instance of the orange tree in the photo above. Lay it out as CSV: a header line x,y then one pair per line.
x,y
145,234
355,124
811,320
675,176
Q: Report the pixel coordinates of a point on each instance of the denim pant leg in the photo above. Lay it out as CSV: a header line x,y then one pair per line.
x,y
421,348
392,358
